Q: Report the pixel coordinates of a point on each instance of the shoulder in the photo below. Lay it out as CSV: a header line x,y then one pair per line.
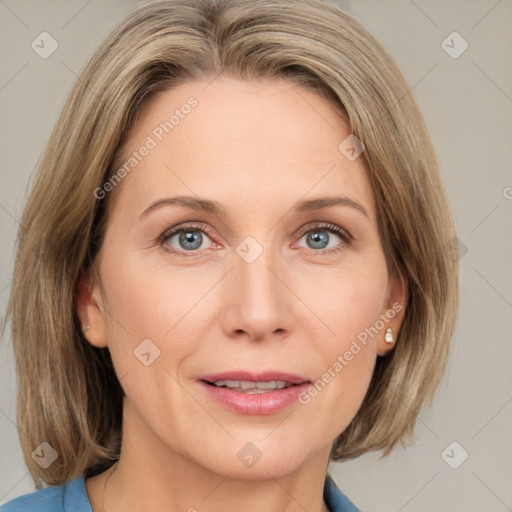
x,y
335,500
70,496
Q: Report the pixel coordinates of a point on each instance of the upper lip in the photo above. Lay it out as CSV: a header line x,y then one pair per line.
x,y
267,376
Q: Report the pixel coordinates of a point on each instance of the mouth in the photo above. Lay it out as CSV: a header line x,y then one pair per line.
x,y
251,388
249,393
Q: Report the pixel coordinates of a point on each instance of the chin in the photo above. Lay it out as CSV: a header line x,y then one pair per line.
x,y
258,461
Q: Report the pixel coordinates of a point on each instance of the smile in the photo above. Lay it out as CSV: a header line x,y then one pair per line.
x,y
262,393
250,388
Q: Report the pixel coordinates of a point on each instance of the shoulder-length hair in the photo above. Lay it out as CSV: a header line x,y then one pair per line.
x,y
68,393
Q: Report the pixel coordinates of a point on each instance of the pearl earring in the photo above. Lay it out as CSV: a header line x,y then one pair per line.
x,y
389,336
87,327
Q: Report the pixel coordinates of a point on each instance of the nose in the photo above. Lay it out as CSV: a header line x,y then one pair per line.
x,y
258,301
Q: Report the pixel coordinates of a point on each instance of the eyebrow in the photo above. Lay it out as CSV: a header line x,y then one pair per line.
x,y
215,208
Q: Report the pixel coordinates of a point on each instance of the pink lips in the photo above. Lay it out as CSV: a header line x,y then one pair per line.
x,y
260,403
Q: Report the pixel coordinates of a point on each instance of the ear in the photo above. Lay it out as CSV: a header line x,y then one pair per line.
x,y
90,310
393,311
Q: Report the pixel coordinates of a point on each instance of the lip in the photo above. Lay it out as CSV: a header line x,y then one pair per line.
x,y
259,403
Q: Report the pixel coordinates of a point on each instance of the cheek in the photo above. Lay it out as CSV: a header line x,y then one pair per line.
x,y
348,309
157,317
346,302
159,305
156,303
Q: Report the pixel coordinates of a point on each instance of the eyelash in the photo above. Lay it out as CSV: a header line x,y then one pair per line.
x,y
344,235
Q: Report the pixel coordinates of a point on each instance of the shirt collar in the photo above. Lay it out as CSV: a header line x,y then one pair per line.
x,y
335,500
77,500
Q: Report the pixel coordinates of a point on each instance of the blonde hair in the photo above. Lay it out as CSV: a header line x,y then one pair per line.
x,y
68,393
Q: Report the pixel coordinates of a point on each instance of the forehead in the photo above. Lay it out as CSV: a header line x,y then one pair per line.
x,y
245,142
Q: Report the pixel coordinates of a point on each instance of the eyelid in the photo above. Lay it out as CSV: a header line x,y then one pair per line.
x,y
310,226
347,240
183,227
327,226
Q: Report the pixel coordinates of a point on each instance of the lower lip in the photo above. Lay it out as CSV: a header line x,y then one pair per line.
x,y
257,403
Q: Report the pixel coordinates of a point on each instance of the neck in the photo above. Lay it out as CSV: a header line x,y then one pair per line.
x,y
151,477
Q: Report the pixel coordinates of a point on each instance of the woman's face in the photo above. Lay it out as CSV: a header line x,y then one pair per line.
x,y
263,279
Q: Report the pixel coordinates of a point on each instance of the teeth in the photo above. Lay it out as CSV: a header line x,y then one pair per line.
x,y
252,387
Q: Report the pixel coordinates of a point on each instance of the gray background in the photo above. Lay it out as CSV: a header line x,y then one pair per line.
x,y
467,103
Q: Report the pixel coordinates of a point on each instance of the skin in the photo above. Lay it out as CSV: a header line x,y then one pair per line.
x,y
257,148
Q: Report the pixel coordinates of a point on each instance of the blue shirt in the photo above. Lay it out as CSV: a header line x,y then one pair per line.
x,y
72,497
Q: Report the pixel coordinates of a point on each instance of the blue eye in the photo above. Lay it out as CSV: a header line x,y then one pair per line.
x,y
190,238
318,237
